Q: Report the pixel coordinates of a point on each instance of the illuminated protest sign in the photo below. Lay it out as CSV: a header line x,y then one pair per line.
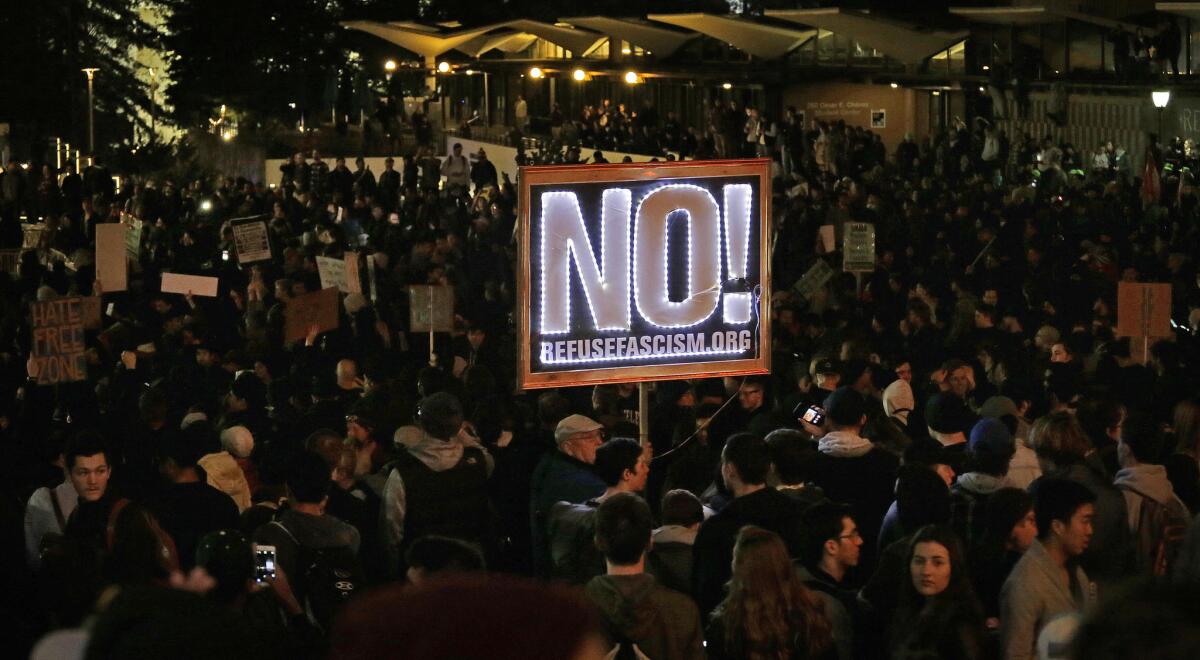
x,y
644,272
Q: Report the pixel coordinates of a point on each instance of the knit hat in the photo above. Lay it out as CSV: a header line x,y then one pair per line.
x,y
573,424
238,441
946,413
990,436
845,407
898,399
998,406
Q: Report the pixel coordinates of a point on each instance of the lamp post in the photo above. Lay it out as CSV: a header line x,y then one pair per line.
x,y
1161,98
91,74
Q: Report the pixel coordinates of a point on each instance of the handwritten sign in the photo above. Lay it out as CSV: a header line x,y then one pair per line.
x,y
858,247
319,308
333,273
430,308
112,268
10,261
251,240
57,354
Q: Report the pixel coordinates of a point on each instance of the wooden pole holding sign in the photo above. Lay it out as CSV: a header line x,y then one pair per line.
x,y
1143,312
430,309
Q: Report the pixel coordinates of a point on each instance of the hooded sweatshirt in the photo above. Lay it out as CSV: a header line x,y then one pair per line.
x,y
636,609
226,475
439,456
898,400
1147,481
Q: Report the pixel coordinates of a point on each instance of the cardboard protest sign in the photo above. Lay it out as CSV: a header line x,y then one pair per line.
x,y
333,273
318,307
197,285
57,354
858,247
32,235
353,274
430,308
812,281
112,268
251,240
10,261
1143,310
827,235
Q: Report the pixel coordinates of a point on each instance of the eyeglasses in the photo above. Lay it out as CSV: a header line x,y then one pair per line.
x,y
852,535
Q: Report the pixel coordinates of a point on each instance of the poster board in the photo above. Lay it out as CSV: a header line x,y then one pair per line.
x,y
353,272
639,272
813,279
1143,310
430,308
10,261
57,341
112,265
858,247
319,307
333,273
197,285
32,235
251,240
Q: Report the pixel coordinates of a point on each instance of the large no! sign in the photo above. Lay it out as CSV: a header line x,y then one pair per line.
x,y
644,272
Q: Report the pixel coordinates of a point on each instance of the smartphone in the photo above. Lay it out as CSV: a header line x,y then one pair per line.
x,y
814,415
264,563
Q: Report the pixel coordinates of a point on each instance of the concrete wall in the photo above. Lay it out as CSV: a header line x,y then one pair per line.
x,y
856,104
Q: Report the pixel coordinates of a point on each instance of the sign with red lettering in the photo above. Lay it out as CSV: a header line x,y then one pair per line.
x,y
57,354
645,271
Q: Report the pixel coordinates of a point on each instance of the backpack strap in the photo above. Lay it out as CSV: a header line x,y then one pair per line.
x,y
286,531
58,512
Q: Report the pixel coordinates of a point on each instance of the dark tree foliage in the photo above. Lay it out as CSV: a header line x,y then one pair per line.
x,y
48,42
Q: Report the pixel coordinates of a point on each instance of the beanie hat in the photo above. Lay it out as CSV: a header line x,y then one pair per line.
x,y
990,436
946,413
845,407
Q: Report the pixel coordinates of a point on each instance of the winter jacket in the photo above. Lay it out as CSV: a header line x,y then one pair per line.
x,y
853,471
571,530
1034,594
713,551
557,478
664,624
1146,488
670,557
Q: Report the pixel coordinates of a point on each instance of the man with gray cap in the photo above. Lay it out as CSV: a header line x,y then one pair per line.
x,y
565,475
439,485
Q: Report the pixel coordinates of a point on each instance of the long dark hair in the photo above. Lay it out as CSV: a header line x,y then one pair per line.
x,y
769,613
917,614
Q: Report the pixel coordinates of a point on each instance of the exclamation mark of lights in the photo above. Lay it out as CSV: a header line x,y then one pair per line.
x,y
736,307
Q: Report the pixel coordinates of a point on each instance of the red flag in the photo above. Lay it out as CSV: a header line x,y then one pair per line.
x,y
1151,183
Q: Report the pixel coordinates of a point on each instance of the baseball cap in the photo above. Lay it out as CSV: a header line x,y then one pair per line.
x,y
946,413
573,424
991,436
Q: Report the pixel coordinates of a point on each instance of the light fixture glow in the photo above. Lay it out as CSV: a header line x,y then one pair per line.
x,y
579,74
631,77
895,85
1161,97
389,66
626,50
443,67
727,86
936,93
985,67
535,72
227,135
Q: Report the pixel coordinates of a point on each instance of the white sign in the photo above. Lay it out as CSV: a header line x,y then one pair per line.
x,y
197,285
333,273
251,240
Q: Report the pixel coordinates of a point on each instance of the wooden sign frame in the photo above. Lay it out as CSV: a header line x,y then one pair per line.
x,y
640,174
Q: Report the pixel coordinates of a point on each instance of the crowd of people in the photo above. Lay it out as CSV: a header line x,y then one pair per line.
x,y
997,473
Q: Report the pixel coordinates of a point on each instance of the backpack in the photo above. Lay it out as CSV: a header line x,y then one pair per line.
x,y
1159,537
327,579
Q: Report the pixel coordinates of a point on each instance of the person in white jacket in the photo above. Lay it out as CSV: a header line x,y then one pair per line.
x,y
457,171
47,513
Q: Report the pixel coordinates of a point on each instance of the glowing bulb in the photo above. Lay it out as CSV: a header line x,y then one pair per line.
x,y
895,85
389,66
205,206
626,50
936,93
579,75
727,86
631,77
535,73
443,67
227,135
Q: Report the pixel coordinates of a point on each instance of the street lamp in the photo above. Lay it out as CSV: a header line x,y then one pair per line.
x,y
631,77
1161,98
390,66
536,72
91,74
579,75
443,67
727,86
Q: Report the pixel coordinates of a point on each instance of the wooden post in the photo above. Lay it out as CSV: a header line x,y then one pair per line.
x,y
643,414
432,355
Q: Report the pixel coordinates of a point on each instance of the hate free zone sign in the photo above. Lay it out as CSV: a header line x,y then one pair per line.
x,y
643,272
